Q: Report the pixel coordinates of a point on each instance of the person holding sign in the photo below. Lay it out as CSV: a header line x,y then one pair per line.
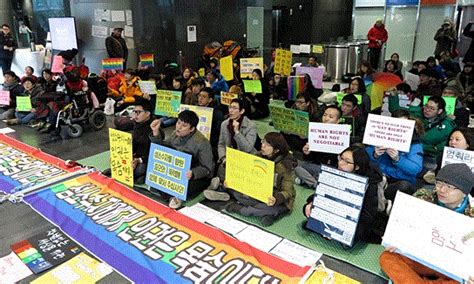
x,y
275,148
206,99
357,87
30,96
461,113
352,115
258,101
186,138
452,187
128,91
116,46
11,84
191,94
237,132
218,83
356,160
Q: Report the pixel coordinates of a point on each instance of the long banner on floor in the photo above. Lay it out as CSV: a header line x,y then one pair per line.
x,y
23,166
148,242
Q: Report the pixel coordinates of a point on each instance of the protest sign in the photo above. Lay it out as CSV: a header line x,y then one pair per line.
x,y
412,80
252,86
45,250
249,174
57,66
167,103
12,269
247,65
226,98
295,86
23,103
112,63
404,102
337,204
121,156
227,67
147,60
80,269
341,95
432,235
450,103
205,118
147,87
202,72
318,49
305,48
316,75
121,236
5,98
289,120
455,155
328,138
283,61
389,132
166,170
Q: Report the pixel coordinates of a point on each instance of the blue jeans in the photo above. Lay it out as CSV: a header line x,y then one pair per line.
x,y
25,117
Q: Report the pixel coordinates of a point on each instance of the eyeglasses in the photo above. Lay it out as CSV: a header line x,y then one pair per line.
x,y
441,184
137,112
347,161
430,108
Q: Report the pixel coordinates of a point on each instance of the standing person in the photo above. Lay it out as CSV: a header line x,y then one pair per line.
x,y
377,36
7,48
469,32
116,46
445,37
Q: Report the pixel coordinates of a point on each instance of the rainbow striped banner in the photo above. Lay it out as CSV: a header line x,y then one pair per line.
x,y
149,243
112,63
295,86
147,59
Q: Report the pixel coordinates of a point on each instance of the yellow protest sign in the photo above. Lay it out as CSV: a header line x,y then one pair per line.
x,y
227,67
80,269
202,72
249,174
247,65
283,61
318,49
205,118
121,155
226,98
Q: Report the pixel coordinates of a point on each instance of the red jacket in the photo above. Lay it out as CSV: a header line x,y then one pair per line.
x,y
377,34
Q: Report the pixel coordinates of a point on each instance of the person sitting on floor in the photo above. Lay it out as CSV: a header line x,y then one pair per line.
x,y
186,138
191,94
32,90
352,115
237,132
452,187
258,101
429,85
11,83
128,91
142,117
206,99
357,88
461,113
274,148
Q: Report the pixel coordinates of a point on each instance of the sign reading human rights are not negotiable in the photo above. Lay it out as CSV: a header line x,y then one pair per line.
x,y
328,138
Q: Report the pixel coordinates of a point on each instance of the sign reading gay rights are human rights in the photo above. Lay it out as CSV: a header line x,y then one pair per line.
x,y
166,170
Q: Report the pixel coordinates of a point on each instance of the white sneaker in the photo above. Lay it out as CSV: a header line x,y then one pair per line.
x,y
298,181
215,182
175,203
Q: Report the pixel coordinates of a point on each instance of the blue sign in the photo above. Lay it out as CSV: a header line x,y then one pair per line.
x,y
166,170
402,2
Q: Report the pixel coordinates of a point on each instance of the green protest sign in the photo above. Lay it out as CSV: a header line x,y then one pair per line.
x,y
252,86
289,120
341,95
167,103
450,103
23,103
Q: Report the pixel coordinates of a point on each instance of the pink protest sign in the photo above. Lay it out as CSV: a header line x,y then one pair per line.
x,y
316,75
58,65
4,98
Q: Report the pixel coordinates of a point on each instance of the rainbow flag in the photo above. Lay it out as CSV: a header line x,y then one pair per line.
x,y
382,81
23,166
148,242
147,59
112,63
295,86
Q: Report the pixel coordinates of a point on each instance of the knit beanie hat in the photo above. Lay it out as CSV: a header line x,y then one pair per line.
x,y
458,175
455,90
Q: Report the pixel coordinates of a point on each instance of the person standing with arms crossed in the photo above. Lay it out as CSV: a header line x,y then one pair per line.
x,y
377,36
116,46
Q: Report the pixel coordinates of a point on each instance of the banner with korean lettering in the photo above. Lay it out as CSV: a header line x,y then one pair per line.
x,y
167,103
205,118
148,242
23,166
166,170
283,62
289,120
247,65
455,155
121,156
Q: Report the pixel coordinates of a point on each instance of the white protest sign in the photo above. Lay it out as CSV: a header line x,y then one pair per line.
x,y
337,203
147,87
390,132
296,253
412,80
295,48
305,48
459,156
432,235
254,236
328,138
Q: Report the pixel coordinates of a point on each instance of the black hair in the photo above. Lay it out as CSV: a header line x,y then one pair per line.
x,y
468,134
209,91
11,73
259,73
31,68
198,81
190,117
350,98
5,25
339,111
404,87
243,105
361,159
361,82
145,104
46,70
439,101
401,113
130,71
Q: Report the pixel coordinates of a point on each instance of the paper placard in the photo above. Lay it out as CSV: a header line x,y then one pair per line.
x,y
247,65
226,98
328,138
434,236
118,16
191,33
121,155
316,75
283,62
254,236
227,68
245,172
205,118
389,132
341,95
252,86
166,170
202,72
102,15
199,212
128,31
305,48
147,87
12,269
412,80
5,98
168,103
129,18
289,120
337,204
6,130
23,103
454,155
450,104
227,224
295,48
296,253
99,31
317,49
58,65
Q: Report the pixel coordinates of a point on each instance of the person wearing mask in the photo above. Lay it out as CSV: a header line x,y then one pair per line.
x,y
11,83
116,46
274,148
377,36
445,37
7,48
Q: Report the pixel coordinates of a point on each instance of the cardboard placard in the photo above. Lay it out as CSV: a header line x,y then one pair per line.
x,y
389,132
